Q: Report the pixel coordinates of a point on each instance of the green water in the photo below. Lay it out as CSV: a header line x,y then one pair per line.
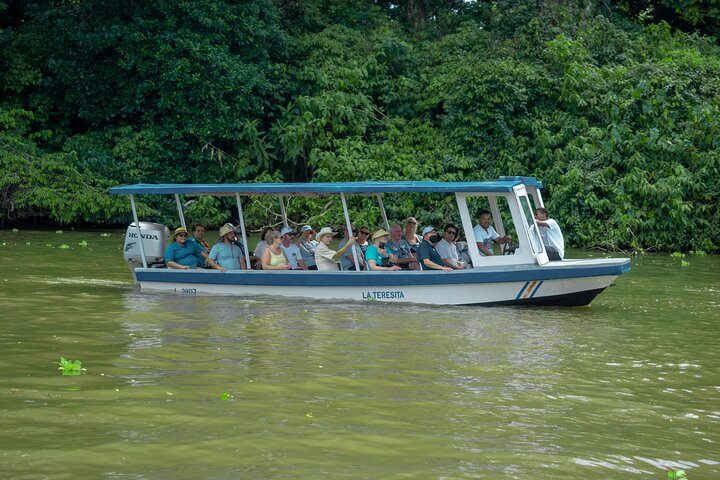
x,y
625,388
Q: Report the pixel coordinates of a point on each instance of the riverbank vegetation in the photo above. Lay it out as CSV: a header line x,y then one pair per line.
x,y
614,105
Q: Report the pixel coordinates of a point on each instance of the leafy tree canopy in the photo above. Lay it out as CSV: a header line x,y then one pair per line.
x,y
614,105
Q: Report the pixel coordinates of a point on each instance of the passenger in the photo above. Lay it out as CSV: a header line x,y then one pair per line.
x,y
292,252
225,255
261,246
308,245
363,234
198,234
551,234
399,247
347,261
376,253
428,257
273,257
410,235
238,243
448,250
181,253
325,258
485,234
197,237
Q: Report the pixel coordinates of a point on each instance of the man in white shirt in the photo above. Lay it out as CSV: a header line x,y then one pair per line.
x,y
447,248
551,234
291,250
485,234
326,258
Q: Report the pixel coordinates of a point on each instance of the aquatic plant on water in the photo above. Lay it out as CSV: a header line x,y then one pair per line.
x,y
71,367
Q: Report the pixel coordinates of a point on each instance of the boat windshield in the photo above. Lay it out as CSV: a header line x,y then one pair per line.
x,y
535,241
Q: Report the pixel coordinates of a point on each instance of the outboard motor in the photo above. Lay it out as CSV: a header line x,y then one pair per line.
x,y
154,240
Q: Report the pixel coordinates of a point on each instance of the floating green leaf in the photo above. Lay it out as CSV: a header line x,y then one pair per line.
x,y
677,255
105,234
70,367
58,231
676,475
84,243
685,263
699,253
64,246
15,230
226,396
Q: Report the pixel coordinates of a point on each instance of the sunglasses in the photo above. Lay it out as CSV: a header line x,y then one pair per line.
x,y
181,235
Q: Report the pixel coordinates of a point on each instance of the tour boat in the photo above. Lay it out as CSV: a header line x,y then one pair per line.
x,y
525,277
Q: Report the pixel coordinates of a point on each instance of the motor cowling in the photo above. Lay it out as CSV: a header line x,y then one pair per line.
x,y
154,241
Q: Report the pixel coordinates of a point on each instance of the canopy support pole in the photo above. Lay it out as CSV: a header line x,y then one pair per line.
x,y
283,212
349,229
382,210
473,249
139,234
180,211
242,231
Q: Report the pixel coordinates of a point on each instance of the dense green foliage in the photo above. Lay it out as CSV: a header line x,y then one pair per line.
x,y
614,105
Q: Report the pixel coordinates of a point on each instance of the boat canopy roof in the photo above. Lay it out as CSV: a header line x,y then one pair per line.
x,y
503,185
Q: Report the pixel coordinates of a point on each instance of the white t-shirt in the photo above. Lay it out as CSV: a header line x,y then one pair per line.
x,y
448,251
324,258
485,237
293,253
553,237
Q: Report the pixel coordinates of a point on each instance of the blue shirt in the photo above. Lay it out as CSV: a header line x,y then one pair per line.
x,y
194,240
188,254
372,253
400,249
347,259
227,256
426,250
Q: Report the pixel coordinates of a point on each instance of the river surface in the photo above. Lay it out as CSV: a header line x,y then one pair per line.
x,y
229,388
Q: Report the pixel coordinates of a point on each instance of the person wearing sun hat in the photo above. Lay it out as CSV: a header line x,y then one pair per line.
x,y
376,254
428,257
326,258
181,254
225,255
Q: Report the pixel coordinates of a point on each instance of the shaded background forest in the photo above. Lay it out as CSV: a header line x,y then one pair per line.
x,y
613,104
